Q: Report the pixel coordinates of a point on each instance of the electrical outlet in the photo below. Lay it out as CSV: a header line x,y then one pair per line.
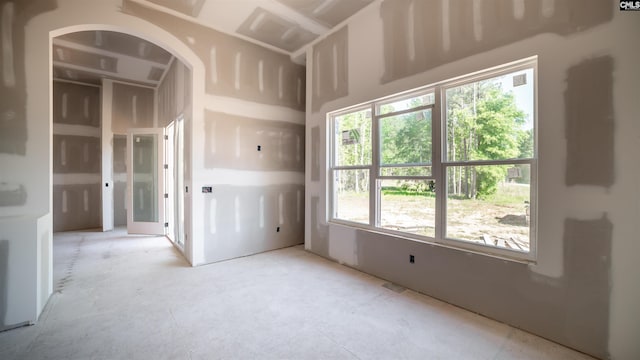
x,y
278,229
259,148
412,259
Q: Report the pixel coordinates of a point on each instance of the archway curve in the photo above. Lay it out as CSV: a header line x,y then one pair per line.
x,y
70,16
174,46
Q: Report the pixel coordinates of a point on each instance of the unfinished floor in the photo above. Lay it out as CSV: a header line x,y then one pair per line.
x,y
135,297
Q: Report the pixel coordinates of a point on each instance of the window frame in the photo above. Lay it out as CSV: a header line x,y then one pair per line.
x,y
331,140
439,163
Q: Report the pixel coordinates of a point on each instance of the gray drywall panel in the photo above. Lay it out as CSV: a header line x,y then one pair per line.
x,y
77,207
85,59
330,68
119,155
174,93
319,229
76,104
19,247
590,123
233,65
166,93
132,108
120,43
272,29
76,154
62,72
14,15
572,310
232,142
329,13
155,74
12,194
187,7
442,32
244,220
587,248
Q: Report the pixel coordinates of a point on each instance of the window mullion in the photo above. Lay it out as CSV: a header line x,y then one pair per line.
x,y
374,201
439,172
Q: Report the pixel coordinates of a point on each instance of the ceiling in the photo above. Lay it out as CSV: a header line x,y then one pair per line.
x,y
286,26
89,56
282,25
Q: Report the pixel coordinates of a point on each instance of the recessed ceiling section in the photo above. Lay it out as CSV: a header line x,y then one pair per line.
x,y
65,55
155,74
62,73
187,7
90,56
327,12
120,43
272,29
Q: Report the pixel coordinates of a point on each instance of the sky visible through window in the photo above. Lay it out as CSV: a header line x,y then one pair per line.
x,y
523,94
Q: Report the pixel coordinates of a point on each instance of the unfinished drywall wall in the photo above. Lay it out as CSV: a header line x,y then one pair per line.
x,y
329,13
77,206
100,62
18,195
265,92
274,30
578,291
187,7
235,68
75,104
174,93
590,123
572,309
19,280
31,173
330,68
13,125
237,142
420,35
77,157
251,219
132,107
120,43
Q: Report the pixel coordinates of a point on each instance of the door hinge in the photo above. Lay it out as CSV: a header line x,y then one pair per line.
x,y
166,196
166,137
166,224
166,166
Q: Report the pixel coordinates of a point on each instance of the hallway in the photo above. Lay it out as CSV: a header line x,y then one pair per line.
x,y
135,297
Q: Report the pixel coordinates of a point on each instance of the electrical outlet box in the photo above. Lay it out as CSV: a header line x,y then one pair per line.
x,y
412,259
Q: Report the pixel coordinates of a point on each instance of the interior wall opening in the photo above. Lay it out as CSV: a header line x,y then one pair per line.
x,y
108,86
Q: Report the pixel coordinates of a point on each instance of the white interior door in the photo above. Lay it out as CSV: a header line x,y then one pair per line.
x,y
145,186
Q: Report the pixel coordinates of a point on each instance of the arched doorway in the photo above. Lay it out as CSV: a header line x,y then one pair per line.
x,y
194,66
38,37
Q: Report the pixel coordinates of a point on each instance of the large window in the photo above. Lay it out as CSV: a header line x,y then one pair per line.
x,y
452,163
